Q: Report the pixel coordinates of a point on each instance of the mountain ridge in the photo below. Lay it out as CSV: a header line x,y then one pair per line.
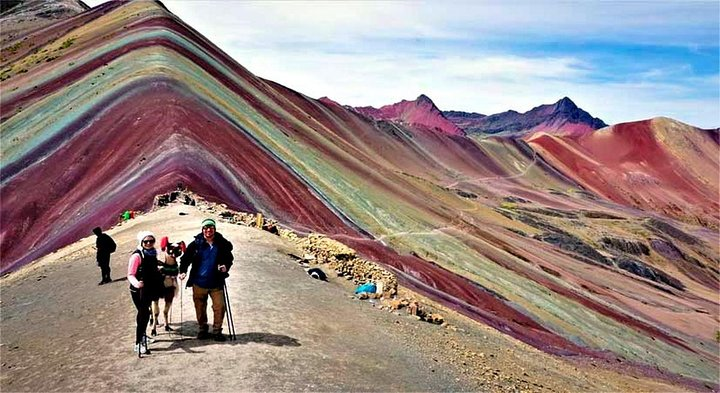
x,y
562,117
505,231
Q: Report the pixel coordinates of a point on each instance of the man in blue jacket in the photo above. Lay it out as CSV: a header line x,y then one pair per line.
x,y
210,256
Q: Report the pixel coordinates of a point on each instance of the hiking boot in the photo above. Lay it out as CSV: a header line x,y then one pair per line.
x,y
142,349
101,282
203,335
219,337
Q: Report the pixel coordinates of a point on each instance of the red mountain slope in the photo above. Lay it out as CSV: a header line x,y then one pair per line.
x,y
421,112
660,165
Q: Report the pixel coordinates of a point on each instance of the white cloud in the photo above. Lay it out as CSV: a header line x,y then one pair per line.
x,y
334,21
486,85
375,53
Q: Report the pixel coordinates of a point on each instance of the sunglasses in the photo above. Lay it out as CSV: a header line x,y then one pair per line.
x,y
148,241
208,227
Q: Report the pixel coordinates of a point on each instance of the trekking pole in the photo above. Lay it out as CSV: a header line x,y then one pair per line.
x,y
227,317
230,319
228,312
181,307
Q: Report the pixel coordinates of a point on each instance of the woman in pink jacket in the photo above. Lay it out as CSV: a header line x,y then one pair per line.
x,y
145,285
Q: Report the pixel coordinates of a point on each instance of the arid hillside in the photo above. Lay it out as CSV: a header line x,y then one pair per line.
x,y
600,244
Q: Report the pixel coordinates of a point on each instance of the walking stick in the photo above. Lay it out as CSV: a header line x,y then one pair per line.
x,y
228,313
181,306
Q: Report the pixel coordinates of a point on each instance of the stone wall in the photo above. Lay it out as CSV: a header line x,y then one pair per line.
x,y
321,249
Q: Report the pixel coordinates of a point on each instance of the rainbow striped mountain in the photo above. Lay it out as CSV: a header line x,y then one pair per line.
x,y
575,240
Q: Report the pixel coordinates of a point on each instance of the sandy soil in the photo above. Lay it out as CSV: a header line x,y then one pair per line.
x,y
62,332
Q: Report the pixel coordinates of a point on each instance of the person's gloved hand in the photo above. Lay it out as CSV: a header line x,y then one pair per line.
x,y
141,284
222,268
181,276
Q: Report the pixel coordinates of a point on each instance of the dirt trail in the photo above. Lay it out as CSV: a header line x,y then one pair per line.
x,y
62,332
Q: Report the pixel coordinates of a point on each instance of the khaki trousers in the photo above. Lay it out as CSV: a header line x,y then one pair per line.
x,y
200,296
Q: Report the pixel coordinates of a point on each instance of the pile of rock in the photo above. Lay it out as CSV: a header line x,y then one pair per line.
x,y
321,249
246,219
181,196
415,309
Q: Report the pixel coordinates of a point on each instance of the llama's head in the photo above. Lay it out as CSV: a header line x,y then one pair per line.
x,y
172,250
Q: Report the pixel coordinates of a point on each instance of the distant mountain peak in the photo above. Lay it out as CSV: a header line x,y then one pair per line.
x,y
329,101
422,98
562,117
565,104
421,112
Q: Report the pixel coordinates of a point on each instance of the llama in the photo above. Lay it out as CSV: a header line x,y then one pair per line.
x,y
170,270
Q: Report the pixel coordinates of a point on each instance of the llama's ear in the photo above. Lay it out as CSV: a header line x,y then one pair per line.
x,y
182,247
164,243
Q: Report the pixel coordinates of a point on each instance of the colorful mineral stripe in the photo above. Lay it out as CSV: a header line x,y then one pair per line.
x,y
597,243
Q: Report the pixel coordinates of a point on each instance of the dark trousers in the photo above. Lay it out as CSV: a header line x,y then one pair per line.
x,y
142,304
103,260
105,271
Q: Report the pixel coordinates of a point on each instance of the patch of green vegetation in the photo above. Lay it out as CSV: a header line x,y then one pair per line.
x,y
67,43
717,336
508,205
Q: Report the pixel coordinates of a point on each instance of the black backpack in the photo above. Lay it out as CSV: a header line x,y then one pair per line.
x,y
109,243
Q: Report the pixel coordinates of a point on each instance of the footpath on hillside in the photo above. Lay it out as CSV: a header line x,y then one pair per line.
x,y
62,332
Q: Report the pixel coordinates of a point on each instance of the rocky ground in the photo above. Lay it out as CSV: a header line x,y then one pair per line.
x,y
62,332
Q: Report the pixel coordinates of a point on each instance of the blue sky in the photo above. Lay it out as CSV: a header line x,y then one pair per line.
x,y
619,60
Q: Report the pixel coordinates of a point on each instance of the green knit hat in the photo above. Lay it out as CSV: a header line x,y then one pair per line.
x,y
208,222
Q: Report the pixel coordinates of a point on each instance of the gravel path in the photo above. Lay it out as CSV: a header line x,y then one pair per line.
x,y
59,331
62,332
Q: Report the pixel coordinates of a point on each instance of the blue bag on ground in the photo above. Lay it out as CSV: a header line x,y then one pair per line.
x,y
369,288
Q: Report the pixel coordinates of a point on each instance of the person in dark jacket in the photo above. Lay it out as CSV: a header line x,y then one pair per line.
x,y
210,256
105,246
